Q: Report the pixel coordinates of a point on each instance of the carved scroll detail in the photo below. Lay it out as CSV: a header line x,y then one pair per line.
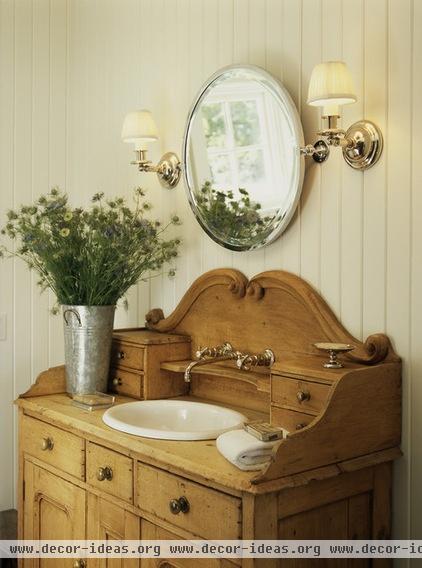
x,y
255,290
377,347
234,280
154,316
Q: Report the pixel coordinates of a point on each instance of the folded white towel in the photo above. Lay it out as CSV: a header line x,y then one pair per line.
x,y
245,451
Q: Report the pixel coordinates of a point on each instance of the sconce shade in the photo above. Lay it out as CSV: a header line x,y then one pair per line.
x,y
139,127
331,86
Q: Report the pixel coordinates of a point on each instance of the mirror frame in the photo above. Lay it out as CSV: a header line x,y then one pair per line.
x,y
281,93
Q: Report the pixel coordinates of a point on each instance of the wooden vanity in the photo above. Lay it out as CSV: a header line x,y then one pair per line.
x,y
331,477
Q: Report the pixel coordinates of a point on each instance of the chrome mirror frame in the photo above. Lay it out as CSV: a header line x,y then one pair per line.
x,y
283,218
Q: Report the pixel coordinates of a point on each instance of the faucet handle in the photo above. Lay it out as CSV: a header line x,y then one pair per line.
x,y
245,361
201,352
220,350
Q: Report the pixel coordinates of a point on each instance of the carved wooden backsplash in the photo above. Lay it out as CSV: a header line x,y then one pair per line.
x,y
275,309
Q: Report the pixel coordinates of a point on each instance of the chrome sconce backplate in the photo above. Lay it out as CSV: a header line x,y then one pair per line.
x,y
169,170
366,147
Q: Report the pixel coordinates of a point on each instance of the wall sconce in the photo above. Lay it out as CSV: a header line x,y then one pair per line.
x,y
139,128
330,87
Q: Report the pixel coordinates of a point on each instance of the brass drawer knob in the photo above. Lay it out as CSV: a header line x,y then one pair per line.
x,y
79,564
117,382
121,355
47,444
180,505
302,396
104,473
300,426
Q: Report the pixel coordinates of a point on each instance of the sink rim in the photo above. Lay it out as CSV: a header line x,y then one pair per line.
x,y
175,435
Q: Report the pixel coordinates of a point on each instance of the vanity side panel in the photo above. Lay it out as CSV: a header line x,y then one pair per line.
x,y
365,406
159,383
353,506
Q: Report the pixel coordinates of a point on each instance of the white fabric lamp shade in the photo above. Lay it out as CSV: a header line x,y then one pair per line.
x,y
138,128
331,86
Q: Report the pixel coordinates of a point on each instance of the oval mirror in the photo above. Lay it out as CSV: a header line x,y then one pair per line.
x,y
241,154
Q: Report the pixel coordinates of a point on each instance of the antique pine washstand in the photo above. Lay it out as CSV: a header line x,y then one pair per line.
x,y
331,477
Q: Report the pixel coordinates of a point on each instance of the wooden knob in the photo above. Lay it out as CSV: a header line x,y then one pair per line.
x,y
121,355
47,444
79,564
104,473
180,505
117,382
302,396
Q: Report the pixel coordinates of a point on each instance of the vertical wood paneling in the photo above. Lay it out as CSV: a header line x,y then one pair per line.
x,y
287,17
375,97
192,233
58,141
72,69
399,217
310,239
351,207
330,199
23,117
40,167
415,300
213,255
7,40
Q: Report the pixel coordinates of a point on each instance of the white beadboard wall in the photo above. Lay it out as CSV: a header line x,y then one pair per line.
x,y
70,69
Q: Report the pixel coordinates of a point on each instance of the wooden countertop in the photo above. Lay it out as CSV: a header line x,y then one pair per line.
x,y
198,460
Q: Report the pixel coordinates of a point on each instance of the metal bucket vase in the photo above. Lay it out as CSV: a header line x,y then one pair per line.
x,y
88,332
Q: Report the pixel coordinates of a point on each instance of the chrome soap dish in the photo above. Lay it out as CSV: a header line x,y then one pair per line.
x,y
333,349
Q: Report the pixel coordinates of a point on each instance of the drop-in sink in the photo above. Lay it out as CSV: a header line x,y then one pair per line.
x,y
173,419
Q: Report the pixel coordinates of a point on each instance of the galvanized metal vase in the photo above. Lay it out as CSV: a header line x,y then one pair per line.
x,y
88,334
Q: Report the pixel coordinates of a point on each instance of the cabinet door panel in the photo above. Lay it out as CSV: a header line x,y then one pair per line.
x,y
53,509
107,521
150,531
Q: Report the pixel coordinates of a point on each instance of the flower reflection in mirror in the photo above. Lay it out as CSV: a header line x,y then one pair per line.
x,y
236,218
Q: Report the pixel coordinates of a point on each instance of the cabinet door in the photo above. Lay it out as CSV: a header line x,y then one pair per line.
x,y
53,509
107,521
150,531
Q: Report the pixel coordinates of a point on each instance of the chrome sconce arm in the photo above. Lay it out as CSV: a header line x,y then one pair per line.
x,y
168,169
361,144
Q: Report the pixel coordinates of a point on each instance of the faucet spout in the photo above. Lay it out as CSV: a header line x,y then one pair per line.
x,y
200,362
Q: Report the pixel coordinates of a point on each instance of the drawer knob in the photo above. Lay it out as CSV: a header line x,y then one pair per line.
x,y
104,473
47,444
121,355
117,382
79,564
302,396
300,426
180,505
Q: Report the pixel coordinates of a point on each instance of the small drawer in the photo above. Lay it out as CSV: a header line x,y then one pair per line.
x,y
124,355
197,509
109,471
126,383
55,447
299,394
290,419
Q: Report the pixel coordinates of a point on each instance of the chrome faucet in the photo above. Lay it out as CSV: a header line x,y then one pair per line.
x,y
225,352
208,355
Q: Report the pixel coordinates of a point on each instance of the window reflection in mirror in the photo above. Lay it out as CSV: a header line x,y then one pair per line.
x,y
242,160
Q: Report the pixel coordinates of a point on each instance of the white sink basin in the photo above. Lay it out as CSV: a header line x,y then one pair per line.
x,y
173,419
